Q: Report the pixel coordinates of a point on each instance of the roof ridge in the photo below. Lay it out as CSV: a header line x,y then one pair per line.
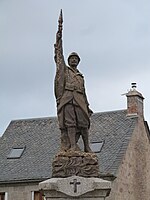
x,y
53,117
36,118
111,111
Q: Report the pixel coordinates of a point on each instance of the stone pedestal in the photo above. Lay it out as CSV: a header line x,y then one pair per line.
x,y
75,187
75,163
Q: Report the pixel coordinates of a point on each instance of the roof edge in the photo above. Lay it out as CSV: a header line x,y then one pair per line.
x,y
147,129
23,181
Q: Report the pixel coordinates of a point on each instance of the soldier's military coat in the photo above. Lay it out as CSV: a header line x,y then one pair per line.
x,y
69,87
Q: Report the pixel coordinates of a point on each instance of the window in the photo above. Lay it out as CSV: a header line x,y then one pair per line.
x,y
2,195
96,146
16,152
37,196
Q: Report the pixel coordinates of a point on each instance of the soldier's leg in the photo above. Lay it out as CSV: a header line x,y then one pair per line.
x,y
83,124
65,142
78,133
72,137
85,137
70,124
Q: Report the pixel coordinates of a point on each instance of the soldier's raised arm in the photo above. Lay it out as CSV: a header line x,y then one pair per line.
x,y
58,57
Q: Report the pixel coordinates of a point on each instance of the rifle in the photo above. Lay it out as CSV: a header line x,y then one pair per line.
x,y
60,26
58,44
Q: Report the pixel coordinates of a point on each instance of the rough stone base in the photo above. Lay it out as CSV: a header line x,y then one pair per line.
x,y
77,163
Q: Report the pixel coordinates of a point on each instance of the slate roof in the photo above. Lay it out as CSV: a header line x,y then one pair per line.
x,y
41,139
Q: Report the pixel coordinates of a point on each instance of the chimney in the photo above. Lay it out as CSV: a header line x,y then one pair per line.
x,y
134,102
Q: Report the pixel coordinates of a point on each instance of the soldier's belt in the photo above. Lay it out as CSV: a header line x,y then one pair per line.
x,y
72,88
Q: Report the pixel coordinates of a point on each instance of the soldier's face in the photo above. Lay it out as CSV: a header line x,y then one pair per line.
x,y
73,61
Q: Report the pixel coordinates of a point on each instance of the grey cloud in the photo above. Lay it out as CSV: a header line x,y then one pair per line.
x,y
112,38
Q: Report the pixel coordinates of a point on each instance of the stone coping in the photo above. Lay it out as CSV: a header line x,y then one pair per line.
x,y
75,185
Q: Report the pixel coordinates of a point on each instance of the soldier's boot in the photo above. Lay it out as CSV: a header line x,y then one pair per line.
x,y
65,142
85,137
72,137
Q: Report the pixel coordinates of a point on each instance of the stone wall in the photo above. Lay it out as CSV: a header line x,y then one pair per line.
x,y
19,191
133,179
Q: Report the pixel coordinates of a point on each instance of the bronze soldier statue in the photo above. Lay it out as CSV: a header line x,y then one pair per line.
x,y
72,104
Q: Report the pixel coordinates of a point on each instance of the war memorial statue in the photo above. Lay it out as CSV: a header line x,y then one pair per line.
x,y
75,172
73,114
72,104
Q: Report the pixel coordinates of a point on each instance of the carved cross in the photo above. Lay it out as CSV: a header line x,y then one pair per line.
x,y
75,183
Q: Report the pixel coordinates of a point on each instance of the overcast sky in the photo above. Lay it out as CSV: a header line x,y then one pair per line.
x,y
112,38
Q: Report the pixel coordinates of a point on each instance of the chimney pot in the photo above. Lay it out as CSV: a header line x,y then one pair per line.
x,y
133,85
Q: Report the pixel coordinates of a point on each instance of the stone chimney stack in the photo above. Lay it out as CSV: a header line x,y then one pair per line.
x,y
134,102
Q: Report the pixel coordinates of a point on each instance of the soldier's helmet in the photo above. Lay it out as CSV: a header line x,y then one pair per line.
x,y
73,54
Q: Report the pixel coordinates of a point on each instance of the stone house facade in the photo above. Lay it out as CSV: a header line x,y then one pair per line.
x,y
121,140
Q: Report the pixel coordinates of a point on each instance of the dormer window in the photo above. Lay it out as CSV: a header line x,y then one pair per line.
x,y
16,153
96,146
